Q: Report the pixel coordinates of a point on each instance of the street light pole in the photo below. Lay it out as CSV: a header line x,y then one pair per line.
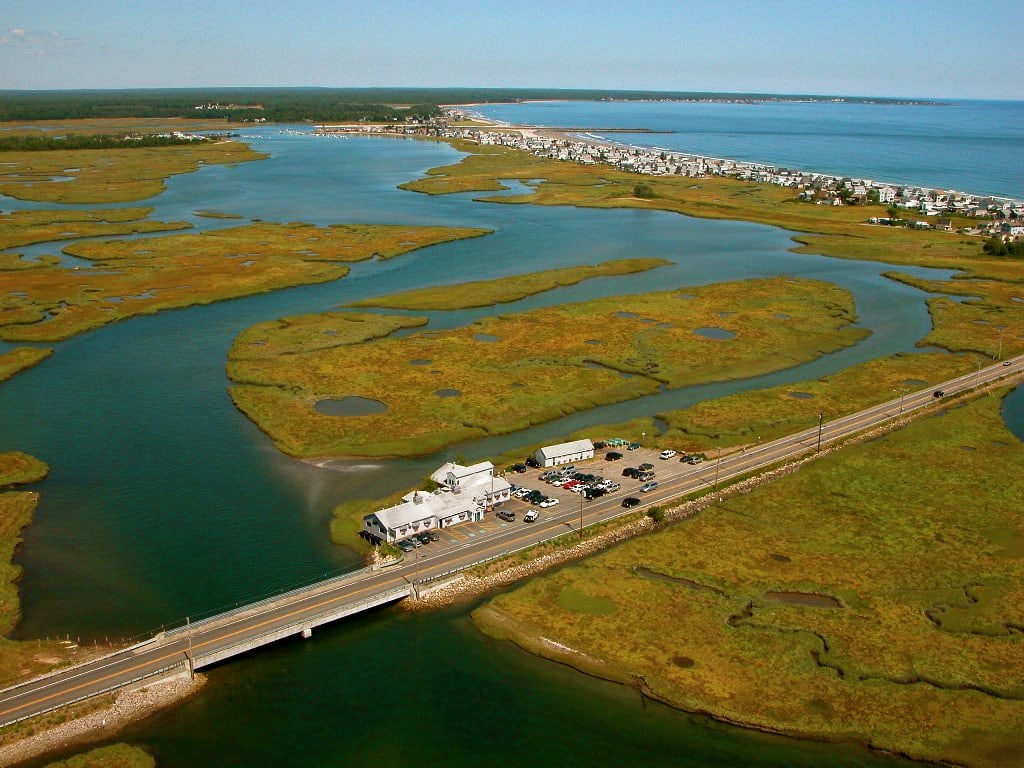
x,y
1000,354
718,466
820,416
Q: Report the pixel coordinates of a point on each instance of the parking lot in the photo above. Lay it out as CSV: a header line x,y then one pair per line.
x,y
569,498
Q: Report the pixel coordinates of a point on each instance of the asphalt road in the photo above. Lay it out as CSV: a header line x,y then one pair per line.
x,y
434,560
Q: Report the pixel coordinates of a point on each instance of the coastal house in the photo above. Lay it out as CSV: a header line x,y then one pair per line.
x,y
564,453
463,495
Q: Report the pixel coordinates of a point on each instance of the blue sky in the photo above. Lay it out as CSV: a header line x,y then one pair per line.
x,y
968,49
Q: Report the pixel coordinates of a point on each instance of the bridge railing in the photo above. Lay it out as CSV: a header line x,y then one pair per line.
x,y
242,609
178,665
307,621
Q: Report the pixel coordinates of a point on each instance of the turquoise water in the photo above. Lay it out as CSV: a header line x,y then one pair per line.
x,y
163,501
971,146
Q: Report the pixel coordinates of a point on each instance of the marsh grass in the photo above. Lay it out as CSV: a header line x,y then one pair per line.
x,y
110,756
110,175
20,358
18,228
536,366
919,539
147,275
990,320
486,293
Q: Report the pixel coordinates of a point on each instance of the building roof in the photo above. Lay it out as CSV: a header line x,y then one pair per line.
x,y
460,472
576,446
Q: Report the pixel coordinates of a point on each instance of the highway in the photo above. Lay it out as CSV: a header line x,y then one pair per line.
x,y
220,637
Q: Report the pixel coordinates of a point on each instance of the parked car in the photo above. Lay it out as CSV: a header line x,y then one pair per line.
x,y
643,477
547,503
644,467
531,516
593,493
405,545
599,445
415,542
423,538
531,462
668,453
630,501
520,468
632,446
693,458
434,536
568,470
612,456
648,487
611,485
630,472
507,514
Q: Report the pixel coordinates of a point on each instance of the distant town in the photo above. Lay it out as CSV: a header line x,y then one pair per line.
x,y
995,215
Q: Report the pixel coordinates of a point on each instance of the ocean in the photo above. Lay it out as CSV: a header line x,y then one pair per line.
x,y
969,146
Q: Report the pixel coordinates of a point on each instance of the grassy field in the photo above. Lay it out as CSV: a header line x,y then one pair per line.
x,y
144,276
486,293
113,756
18,228
504,373
766,414
832,231
109,175
877,595
990,320
19,660
112,125
19,359
17,468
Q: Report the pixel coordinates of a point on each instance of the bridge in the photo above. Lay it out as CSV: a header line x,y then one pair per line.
x,y
194,645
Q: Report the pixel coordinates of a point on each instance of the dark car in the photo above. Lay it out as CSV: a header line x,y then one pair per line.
x,y
593,493
405,545
520,468
630,472
599,445
632,446
612,456
645,467
532,462
434,536
643,477
423,538
938,393
630,501
507,514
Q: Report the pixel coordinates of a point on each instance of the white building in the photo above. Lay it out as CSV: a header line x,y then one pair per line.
x,y
577,450
464,495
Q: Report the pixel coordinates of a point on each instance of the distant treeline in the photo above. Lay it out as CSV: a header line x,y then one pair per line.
x,y
280,105
328,104
97,141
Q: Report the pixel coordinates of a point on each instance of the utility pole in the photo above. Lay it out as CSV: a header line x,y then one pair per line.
x,y
820,415
191,663
1000,354
718,466
581,517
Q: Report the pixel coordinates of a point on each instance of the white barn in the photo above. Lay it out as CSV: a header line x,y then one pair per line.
x,y
563,453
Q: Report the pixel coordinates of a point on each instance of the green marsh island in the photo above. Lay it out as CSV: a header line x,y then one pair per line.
x,y
504,373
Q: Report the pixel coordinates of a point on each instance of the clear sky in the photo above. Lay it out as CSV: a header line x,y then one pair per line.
x,y
967,49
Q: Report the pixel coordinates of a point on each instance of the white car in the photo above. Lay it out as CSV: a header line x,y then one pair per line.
x,y
668,454
611,485
531,516
547,503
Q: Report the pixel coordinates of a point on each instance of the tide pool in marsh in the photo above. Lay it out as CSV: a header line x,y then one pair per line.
x,y
163,501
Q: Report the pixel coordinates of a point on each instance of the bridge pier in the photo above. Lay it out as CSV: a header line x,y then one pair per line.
x,y
307,632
